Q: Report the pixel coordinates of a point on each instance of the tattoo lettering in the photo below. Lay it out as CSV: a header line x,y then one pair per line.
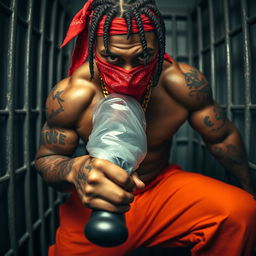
x,y
56,95
197,84
232,155
52,137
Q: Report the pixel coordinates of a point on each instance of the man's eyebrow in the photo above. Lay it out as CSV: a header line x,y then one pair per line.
x,y
150,50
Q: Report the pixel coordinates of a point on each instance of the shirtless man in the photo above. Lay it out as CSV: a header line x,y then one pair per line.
x,y
163,205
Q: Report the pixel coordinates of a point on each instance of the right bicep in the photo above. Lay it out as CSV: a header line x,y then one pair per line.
x,y
57,141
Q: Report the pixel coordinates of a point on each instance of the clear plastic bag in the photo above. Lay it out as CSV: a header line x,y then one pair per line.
x,y
118,133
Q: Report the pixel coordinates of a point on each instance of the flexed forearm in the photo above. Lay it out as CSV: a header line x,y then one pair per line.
x,y
231,154
54,169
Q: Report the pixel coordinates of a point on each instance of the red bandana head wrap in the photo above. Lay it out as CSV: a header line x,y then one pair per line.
x,y
80,27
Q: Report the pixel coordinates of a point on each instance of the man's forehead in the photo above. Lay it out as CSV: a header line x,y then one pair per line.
x,y
134,39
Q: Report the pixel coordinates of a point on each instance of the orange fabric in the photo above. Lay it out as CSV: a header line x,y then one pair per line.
x,y
179,208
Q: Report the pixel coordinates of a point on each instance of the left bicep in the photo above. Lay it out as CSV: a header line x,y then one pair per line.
x,y
211,123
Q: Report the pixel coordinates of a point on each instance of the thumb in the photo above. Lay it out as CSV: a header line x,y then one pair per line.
x,y
138,182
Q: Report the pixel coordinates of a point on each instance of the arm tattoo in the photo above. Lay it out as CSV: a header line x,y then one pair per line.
x,y
197,84
53,136
56,95
232,155
219,116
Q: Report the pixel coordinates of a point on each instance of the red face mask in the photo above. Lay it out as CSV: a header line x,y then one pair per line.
x,y
133,82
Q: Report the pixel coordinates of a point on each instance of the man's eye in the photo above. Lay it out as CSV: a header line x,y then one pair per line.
x,y
143,58
111,58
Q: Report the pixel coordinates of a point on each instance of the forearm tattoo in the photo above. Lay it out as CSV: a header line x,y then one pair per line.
x,y
232,155
55,168
56,96
198,85
219,117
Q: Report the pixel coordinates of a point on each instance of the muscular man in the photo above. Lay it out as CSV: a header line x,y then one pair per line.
x,y
164,205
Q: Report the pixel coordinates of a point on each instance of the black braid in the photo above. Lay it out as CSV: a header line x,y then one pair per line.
x,y
142,34
107,25
161,40
128,18
97,16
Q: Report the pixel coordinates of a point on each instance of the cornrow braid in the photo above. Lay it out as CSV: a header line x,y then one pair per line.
x,y
128,20
161,39
97,16
107,25
142,34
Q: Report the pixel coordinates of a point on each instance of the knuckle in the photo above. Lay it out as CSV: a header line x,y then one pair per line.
x,y
93,177
88,190
125,178
87,201
98,163
121,197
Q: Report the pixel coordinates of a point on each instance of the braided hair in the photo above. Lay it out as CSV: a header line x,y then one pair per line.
x,y
127,9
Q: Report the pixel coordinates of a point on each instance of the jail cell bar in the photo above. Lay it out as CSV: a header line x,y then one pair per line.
x,y
31,63
222,44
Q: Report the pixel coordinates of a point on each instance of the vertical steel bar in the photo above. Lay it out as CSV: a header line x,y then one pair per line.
x,y
212,48
27,107
60,38
39,121
200,38
228,58
50,63
10,126
190,60
174,36
247,72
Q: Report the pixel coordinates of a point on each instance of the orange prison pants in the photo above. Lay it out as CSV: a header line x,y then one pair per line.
x,y
177,209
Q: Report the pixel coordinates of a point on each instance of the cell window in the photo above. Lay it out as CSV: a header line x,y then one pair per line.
x,y
251,4
34,195
238,120
48,18
238,85
37,13
4,219
194,33
218,12
207,65
23,249
34,70
4,21
19,202
18,141
205,27
182,37
221,74
45,195
252,146
169,35
253,63
23,8
234,8
6,2
3,152
20,66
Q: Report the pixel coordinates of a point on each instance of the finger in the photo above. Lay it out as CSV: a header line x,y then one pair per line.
x,y
100,204
109,191
138,182
115,173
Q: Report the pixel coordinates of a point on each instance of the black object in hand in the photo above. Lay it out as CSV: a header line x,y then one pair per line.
x,y
106,229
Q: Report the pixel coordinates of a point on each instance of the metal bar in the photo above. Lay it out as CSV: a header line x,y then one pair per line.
x,y
251,20
228,58
247,73
174,36
39,122
51,63
4,178
212,48
60,53
10,128
27,104
200,38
